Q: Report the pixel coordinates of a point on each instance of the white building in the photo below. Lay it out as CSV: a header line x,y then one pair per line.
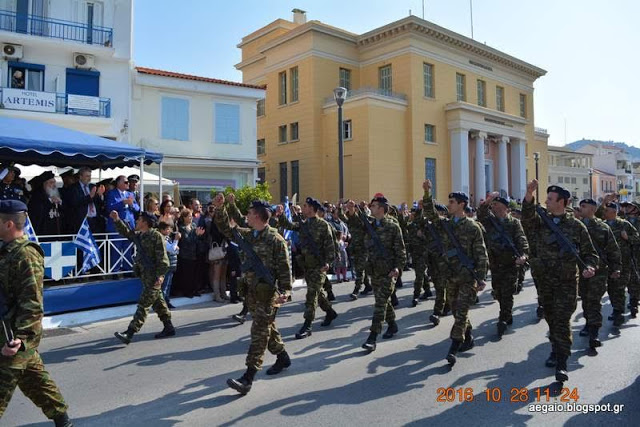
x,y
572,170
67,62
614,161
206,129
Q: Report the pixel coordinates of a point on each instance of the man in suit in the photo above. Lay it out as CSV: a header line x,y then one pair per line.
x,y
122,201
83,199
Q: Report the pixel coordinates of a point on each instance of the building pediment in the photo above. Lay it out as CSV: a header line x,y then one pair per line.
x,y
462,115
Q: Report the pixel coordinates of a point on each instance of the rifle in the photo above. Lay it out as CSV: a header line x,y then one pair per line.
x,y
457,251
146,261
504,236
560,238
252,261
377,243
307,239
8,332
437,244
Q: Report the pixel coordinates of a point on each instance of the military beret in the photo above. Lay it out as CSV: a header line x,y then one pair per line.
x,y
588,202
259,204
502,200
105,182
562,192
151,219
442,208
134,177
611,205
66,173
10,206
468,209
459,196
378,197
314,203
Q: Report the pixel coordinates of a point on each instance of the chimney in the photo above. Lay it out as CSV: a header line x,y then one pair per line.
x,y
299,16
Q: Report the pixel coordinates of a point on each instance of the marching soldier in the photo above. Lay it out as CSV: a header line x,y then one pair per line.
x,y
592,290
468,264
151,264
266,251
631,214
358,250
318,251
507,248
564,248
21,312
417,246
438,268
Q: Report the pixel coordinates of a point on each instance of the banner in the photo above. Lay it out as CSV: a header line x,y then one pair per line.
x,y
28,100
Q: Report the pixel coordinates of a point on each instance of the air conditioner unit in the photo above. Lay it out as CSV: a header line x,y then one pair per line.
x,y
83,60
11,51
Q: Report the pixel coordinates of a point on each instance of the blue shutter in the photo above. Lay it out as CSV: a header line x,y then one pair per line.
x,y
175,118
430,173
83,82
227,123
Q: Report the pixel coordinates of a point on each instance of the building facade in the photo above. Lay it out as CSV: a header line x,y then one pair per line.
x,y
614,161
206,129
574,171
423,102
68,62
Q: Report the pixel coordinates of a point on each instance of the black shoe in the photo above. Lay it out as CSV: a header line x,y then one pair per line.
x,y
584,332
477,300
510,321
240,318
391,330
331,296
305,330
367,290
167,331
243,384
447,311
618,318
331,314
502,327
561,369
283,362
453,349
594,341
62,421
414,302
468,341
540,312
634,312
354,294
125,336
170,306
435,319
370,343
552,360
519,288
394,300
399,284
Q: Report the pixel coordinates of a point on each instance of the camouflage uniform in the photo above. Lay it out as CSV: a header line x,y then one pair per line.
x,y
357,247
318,230
272,250
557,271
634,280
591,290
152,243
417,245
461,285
504,271
21,275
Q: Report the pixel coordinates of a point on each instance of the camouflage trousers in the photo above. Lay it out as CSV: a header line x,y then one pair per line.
x,y
504,281
536,268
420,267
439,283
616,288
591,292
264,333
383,287
359,267
462,295
315,293
634,287
521,272
35,383
559,298
151,297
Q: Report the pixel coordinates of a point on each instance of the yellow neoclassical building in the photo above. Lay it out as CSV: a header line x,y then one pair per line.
x,y
423,102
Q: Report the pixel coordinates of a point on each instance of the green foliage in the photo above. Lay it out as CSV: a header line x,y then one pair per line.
x,y
247,194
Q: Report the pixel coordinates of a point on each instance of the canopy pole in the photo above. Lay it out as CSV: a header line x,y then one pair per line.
x,y
141,202
160,185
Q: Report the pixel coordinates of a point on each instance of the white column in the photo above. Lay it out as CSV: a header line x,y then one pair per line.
x,y
459,159
480,190
518,168
503,170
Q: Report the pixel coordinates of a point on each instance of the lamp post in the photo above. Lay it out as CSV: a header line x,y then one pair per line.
x,y
536,158
340,95
591,183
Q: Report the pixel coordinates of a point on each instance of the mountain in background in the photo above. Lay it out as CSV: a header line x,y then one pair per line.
x,y
634,151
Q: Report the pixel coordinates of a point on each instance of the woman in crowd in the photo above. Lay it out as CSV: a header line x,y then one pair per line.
x,y
167,215
151,207
186,279
171,244
217,267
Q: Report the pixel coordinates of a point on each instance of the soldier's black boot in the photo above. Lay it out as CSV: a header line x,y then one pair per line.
x,y
540,312
282,362
394,299
414,301
167,331
305,330
331,314
391,330
618,318
330,295
243,384
552,360
633,307
367,289
370,343
354,294
435,318
584,332
502,327
594,341
468,341
125,336
62,420
453,349
242,316
561,369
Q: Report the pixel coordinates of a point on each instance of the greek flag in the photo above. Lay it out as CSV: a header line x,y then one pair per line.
x,y
87,244
287,214
29,231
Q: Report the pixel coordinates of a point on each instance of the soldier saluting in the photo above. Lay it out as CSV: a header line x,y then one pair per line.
x,y
564,247
21,312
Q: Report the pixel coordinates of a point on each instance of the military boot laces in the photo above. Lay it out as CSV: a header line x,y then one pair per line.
x,y
331,315
561,369
468,341
243,384
453,350
167,331
585,331
391,330
435,319
63,421
370,344
551,360
305,330
594,341
282,362
125,336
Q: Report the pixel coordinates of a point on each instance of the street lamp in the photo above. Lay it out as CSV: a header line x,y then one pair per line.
x,y
591,183
536,158
340,95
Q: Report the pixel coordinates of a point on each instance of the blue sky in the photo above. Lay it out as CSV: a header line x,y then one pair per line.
x,y
588,47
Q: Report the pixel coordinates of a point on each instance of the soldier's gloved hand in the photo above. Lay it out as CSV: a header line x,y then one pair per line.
x,y
615,274
588,272
481,285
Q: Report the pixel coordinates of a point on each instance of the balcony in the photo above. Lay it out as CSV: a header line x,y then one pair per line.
x,y
55,28
369,91
51,102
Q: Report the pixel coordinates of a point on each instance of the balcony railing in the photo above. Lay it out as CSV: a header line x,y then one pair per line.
x,y
51,102
370,91
55,28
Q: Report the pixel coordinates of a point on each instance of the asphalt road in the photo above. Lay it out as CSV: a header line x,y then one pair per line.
x,y
332,381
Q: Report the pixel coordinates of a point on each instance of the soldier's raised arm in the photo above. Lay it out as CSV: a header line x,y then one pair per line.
x,y
284,222
530,218
221,218
427,203
234,212
122,227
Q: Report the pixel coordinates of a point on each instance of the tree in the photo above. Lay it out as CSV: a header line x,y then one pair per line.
x,y
247,194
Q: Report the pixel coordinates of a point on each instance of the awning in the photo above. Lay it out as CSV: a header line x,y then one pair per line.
x,y
33,142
